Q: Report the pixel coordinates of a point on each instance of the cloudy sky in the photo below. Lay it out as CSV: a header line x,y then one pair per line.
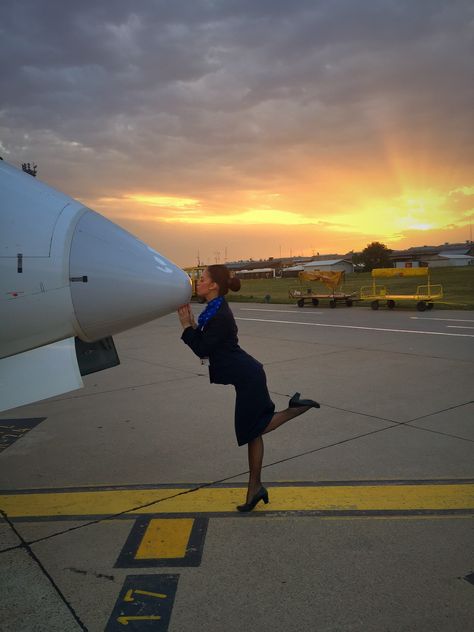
x,y
248,128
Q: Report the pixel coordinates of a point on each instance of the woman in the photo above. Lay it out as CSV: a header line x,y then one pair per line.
x,y
214,340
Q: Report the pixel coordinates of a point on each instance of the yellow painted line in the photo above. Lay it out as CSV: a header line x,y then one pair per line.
x,y
109,502
166,538
208,500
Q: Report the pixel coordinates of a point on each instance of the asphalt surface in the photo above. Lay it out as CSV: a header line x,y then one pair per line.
x,y
119,499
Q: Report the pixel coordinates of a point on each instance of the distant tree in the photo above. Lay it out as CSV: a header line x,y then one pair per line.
x,y
374,255
31,169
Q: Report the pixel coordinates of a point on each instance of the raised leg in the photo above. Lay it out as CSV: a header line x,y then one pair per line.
x,y
282,416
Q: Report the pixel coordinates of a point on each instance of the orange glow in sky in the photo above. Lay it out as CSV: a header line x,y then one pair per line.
x,y
302,224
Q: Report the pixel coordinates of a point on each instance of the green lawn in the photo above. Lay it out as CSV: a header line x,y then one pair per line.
x,y
458,286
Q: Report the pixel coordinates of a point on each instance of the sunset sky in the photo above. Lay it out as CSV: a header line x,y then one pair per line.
x,y
248,128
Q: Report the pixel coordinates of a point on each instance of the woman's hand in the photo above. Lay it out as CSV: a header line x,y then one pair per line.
x,y
186,316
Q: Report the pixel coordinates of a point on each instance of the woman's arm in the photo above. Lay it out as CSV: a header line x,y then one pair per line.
x,y
203,343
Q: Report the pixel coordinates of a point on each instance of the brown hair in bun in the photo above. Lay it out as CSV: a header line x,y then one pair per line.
x,y
221,275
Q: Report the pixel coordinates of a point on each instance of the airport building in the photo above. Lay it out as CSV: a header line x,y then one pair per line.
x,y
258,273
445,255
333,265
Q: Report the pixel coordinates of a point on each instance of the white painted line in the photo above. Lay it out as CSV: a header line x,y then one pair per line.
x,y
280,311
458,327
398,331
451,320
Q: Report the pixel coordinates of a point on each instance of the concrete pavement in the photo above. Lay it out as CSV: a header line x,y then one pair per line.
x,y
119,498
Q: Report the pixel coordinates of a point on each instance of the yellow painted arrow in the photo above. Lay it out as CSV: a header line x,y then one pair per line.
x,y
129,594
125,620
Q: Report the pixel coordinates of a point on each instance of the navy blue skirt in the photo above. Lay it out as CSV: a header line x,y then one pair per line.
x,y
253,407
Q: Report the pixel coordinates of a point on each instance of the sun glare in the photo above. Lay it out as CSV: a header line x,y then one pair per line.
x,y
411,211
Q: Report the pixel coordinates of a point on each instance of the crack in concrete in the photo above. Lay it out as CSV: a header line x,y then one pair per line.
x,y
26,546
81,571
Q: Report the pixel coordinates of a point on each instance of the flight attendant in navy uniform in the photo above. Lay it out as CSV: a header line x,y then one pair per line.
x,y
214,339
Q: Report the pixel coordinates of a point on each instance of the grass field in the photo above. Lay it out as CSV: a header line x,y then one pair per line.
x,y
458,286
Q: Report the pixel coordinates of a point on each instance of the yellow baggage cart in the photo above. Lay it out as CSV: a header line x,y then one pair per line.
x,y
424,296
309,294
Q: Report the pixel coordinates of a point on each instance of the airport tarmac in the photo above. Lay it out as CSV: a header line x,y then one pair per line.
x,y
118,500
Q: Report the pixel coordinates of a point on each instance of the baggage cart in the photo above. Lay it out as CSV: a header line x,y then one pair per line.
x,y
425,295
310,294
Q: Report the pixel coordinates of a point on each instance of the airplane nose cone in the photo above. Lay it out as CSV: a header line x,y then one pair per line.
x,y
117,281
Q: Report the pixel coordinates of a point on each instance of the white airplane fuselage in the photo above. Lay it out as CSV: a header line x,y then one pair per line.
x,y
67,272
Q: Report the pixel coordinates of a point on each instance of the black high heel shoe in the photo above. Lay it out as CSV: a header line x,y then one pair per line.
x,y
296,402
262,494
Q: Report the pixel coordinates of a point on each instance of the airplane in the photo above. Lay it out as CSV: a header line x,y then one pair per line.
x,y
70,279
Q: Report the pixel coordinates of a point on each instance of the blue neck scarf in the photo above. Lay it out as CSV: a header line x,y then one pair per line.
x,y
210,311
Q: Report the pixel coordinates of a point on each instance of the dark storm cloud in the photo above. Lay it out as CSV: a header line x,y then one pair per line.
x,y
221,93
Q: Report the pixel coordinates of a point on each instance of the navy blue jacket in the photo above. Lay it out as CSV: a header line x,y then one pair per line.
x,y
218,341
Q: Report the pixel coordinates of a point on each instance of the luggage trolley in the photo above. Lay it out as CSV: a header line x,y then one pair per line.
x,y
331,279
424,295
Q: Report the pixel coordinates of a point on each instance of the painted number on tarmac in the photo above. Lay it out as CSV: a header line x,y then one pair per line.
x,y
145,603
